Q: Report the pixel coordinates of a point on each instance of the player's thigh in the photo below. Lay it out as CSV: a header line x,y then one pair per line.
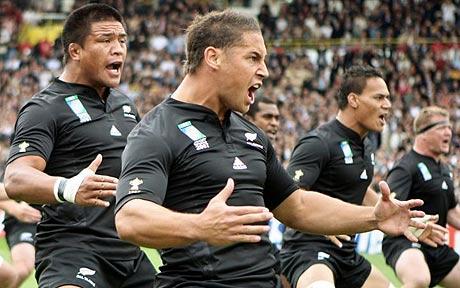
x,y
376,279
315,273
24,254
411,267
452,280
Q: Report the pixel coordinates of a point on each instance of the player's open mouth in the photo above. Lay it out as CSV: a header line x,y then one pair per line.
x,y
252,92
382,118
114,67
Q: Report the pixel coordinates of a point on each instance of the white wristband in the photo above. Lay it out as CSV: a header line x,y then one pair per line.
x,y
73,184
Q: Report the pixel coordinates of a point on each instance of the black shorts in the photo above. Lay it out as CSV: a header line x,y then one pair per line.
x,y
349,268
89,270
19,232
440,260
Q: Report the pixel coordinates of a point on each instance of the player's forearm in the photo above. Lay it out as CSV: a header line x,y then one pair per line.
x,y
453,217
147,224
317,213
28,184
370,198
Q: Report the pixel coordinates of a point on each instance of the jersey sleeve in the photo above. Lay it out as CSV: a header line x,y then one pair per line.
x,y
35,132
145,168
309,157
278,184
400,181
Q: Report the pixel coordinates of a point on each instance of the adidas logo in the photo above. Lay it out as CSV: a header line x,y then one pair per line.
x,y
363,175
114,131
238,164
444,185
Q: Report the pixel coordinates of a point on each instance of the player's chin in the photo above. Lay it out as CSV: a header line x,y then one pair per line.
x,y
243,109
112,83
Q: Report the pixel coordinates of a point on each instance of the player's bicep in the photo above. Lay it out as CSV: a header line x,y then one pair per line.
x,y
36,162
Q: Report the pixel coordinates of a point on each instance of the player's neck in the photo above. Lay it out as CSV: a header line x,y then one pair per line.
x,y
194,90
72,75
347,120
424,150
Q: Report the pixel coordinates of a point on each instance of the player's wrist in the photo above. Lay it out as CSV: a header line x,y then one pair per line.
x,y
58,189
197,231
66,189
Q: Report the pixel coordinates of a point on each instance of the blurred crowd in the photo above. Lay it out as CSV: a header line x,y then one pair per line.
x,y
415,43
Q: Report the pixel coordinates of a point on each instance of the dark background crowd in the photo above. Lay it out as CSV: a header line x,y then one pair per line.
x,y
415,43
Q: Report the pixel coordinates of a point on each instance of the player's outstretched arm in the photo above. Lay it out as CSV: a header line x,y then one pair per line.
x,y
26,181
148,224
317,213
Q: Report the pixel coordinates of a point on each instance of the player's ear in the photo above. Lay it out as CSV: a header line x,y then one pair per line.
x,y
212,57
74,51
353,100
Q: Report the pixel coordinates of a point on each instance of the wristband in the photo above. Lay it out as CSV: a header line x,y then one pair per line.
x,y
57,183
65,190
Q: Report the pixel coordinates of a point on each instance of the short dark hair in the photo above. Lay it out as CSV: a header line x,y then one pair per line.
x,y
354,81
77,26
254,108
222,29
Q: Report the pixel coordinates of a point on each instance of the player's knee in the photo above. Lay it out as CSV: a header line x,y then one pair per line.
x,y
24,269
321,284
419,281
8,280
23,274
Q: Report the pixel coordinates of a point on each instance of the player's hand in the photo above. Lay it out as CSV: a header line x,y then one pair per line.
x,y
24,212
433,234
224,225
95,188
335,239
394,216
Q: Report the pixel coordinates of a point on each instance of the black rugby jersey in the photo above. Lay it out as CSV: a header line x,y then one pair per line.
x,y
333,160
180,156
68,125
417,176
